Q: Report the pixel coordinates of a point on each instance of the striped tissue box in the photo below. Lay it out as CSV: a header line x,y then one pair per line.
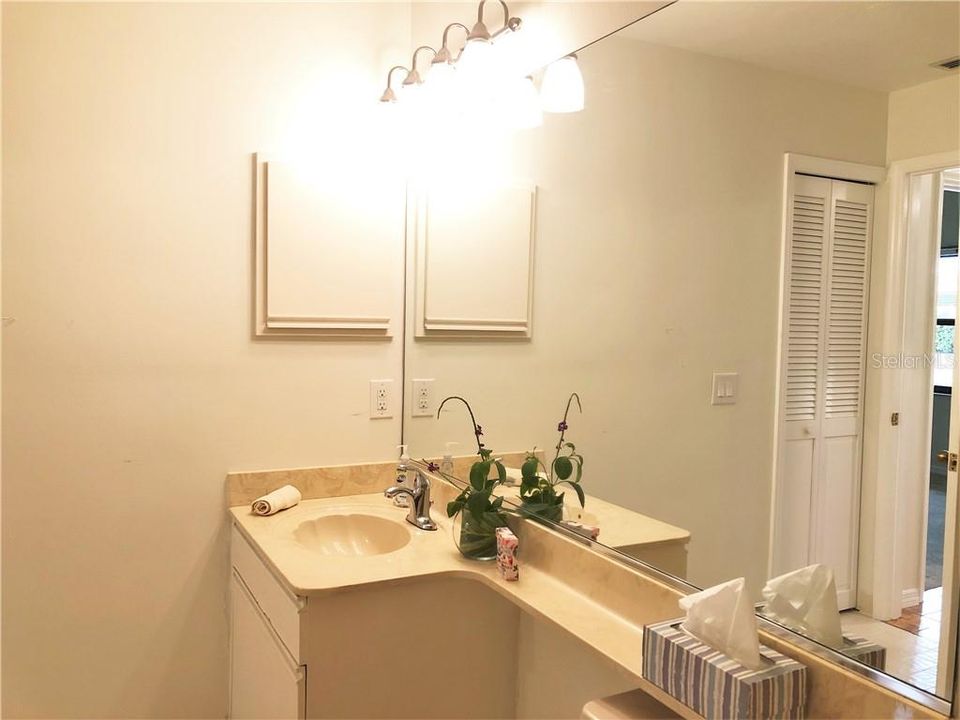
x,y
869,653
715,686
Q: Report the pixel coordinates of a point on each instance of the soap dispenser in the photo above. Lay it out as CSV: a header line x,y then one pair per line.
x,y
446,464
402,499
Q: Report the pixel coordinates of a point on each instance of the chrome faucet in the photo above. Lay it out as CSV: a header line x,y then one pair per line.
x,y
419,514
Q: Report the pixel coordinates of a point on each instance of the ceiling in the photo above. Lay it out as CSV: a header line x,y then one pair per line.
x,y
877,45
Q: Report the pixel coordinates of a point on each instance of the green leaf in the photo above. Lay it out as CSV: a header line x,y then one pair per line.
x,y
529,468
453,507
563,467
478,474
477,504
580,495
501,472
579,462
497,504
573,448
528,484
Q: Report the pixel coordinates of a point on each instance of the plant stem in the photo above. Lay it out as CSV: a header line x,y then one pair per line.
x,y
473,419
564,430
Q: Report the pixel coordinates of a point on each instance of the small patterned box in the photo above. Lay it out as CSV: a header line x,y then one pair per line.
x,y
861,649
716,686
507,545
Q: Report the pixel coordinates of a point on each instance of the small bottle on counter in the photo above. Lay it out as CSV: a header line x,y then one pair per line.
x,y
402,499
446,464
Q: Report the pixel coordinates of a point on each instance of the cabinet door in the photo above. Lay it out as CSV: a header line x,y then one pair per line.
x,y
265,681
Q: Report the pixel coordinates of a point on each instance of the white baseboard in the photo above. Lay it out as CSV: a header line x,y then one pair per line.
x,y
911,597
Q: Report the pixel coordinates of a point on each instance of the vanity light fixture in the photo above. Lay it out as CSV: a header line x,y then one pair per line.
x,y
485,77
413,79
561,90
480,32
389,95
443,67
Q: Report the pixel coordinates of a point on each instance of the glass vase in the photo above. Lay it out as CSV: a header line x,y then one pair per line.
x,y
475,540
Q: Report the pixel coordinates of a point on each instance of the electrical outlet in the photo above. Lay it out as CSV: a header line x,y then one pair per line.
x,y
381,399
423,398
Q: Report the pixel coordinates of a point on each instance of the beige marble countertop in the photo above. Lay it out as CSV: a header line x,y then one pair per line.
x,y
619,527
539,591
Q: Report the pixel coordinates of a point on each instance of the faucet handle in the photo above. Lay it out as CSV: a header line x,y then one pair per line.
x,y
421,481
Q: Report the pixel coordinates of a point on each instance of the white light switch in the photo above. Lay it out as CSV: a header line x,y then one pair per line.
x,y
423,398
725,388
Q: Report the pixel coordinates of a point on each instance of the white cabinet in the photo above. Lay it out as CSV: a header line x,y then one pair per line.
x,y
265,680
266,677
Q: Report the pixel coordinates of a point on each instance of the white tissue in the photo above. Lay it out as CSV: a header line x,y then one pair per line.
x,y
806,600
722,616
279,499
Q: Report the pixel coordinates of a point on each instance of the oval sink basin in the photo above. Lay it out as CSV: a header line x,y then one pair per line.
x,y
352,535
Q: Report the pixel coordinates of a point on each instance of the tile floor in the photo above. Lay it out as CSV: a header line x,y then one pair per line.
x,y
911,643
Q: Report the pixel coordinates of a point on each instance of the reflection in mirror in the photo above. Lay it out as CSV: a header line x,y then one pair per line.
x,y
704,256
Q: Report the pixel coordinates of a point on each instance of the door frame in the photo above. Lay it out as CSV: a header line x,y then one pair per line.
x,y
879,593
843,170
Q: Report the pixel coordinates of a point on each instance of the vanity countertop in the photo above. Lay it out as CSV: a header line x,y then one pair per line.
x,y
619,527
568,599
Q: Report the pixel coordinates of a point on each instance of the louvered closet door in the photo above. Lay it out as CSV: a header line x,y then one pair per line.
x,y
822,376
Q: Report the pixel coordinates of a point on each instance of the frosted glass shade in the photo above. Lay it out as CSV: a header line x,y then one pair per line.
x,y
562,88
523,104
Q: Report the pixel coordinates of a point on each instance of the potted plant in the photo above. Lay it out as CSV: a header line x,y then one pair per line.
x,y
538,491
480,513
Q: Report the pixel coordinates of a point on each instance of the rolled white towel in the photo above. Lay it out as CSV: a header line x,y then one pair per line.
x,y
279,499
513,475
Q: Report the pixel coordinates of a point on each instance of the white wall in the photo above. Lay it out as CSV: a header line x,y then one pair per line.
x,y
924,119
657,263
131,384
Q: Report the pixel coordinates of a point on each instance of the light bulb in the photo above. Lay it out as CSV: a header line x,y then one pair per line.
x,y
441,77
475,58
523,104
509,47
562,88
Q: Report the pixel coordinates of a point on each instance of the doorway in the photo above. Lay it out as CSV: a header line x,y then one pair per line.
x,y
922,616
922,611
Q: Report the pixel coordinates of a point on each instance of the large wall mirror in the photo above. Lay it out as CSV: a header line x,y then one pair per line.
x,y
704,255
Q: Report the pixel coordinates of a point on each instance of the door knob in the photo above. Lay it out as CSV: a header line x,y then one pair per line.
x,y
949,458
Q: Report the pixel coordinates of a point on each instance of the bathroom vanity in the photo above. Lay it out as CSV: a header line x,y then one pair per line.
x,y
312,607
342,609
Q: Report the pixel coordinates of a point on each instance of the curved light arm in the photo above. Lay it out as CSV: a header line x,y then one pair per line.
x,y
443,55
503,4
388,94
413,77
480,31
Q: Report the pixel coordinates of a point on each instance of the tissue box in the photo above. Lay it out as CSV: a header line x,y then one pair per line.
x,y
714,685
865,651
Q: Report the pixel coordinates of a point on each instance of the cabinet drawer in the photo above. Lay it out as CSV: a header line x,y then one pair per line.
x,y
281,607
265,680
